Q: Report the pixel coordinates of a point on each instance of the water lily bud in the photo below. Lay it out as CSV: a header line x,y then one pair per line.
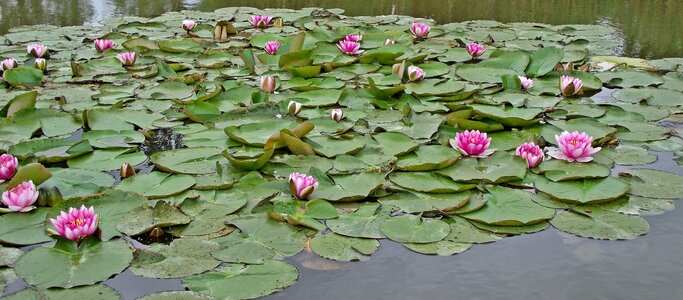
x,y
127,171
532,153
302,185
268,84
40,64
349,47
420,30
102,45
353,37
8,166
260,21
475,49
37,50
127,59
397,69
415,73
388,42
271,47
570,86
527,83
294,108
157,234
337,114
188,25
8,64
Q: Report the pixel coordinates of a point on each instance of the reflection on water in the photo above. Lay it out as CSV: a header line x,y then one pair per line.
x,y
652,28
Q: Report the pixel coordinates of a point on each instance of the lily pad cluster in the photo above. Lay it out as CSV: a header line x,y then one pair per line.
x,y
213,199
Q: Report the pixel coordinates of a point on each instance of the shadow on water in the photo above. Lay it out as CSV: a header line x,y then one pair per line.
x,y
651,28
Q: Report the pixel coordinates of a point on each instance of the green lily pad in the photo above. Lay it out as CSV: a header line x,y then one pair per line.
x,y
93,261
239,281
363,223
343,248
181,258
107,160
144,219
24,228
594,222
23,77
427,158
414,202
510,207
156,184
428,182
349,187
499,167
73,182
585,191
655,184
560,170
84,292
281,238
200,160
414,229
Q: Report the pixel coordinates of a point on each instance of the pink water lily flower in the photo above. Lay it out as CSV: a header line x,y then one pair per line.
x,y
294,108
527,83
532,153
415,73
420,30
475,49
260,21
102,45
570,86
349,47
302,185
574,146
353,37
76,224
8,64
472,143
21,197
271,47
40,64
188,25
127,59
337,114
8,166
37,50
268,84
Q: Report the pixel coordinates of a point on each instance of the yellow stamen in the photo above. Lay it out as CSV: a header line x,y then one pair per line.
x,y
77,222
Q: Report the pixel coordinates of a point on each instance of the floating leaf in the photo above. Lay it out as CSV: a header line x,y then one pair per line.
x,y
414,229
156,184
238,281
93,261
342,248
183,257
510,207
597,223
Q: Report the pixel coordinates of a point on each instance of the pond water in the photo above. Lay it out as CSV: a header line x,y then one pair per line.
x,y
547,265
651,30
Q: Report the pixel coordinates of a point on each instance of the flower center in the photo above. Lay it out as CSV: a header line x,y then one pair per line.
x,y
574,142
472,140
76,223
